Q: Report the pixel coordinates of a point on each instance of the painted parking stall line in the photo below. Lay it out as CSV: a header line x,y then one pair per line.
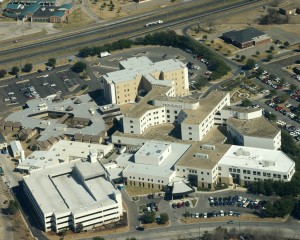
x,y
23,81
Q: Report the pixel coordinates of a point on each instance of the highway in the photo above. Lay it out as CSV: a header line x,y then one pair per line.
x,y
127,28
288,229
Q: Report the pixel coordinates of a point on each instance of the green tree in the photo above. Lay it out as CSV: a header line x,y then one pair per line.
x,y
164,217
272,48
257,53
212,41
79,227
293,87
2,73
98,238
296,210
286,44
79,67
282,81
51,62
269,57
246,103
259,71
15,70
250,64
13,207
204,37
148,217
243,58
27,67
283,97
270,116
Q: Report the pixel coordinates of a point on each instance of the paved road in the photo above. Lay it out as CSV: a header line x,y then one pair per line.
x,y
120,29
289,229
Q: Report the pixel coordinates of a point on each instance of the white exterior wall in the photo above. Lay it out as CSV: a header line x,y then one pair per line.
x,y
132,125
152,160
191,132
89,218
152,118
259,142
266,143
140,177
260,173
209,176
109,90
229,113
16,148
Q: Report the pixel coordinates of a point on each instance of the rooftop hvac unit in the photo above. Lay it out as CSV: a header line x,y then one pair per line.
x,y
201,155
267,163
51,10
242,152
43,8
208,146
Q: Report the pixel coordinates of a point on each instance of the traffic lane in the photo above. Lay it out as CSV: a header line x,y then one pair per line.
x,y
278,115
286,61
278,91
196,229
277,71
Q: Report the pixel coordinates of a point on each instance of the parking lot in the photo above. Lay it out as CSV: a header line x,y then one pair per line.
x,y
227,203
62,81
111,63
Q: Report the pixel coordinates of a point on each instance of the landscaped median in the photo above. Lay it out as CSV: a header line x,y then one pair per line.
x,y
242,218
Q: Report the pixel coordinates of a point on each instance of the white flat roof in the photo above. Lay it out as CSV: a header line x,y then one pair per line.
x,y
164,169
16,146
58,189
133,68
257,158
60,152
153,149
52,127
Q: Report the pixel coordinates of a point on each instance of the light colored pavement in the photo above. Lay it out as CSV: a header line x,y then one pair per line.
x,y
9,30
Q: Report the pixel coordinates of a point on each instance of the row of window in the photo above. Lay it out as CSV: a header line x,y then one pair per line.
x,y
192,171
130,177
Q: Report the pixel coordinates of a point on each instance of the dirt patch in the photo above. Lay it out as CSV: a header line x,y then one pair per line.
x,y
21,231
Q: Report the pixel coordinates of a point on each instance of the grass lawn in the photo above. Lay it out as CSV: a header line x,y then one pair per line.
x,y
136,191
77,19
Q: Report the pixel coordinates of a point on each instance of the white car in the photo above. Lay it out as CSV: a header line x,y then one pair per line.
x,y
45,84
230,213
46,75
13,98
196,215
221,213
11,93
53,85
204,215
6,99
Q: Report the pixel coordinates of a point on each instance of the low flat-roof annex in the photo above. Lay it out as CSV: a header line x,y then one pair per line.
x,y
195,156
256,127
